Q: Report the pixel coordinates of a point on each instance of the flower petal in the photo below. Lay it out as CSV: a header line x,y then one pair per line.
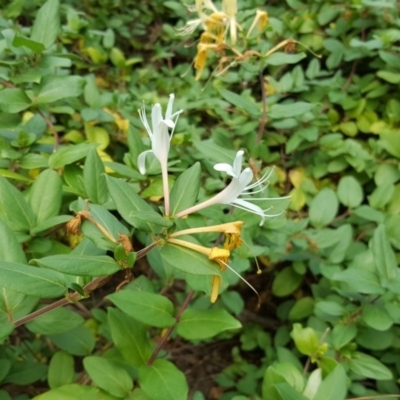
x,y
224,167
142,161
247,206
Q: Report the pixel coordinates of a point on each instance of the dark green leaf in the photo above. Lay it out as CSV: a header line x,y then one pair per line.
x,y
47,23
55,321
384,257
94,179
323,208
203,324
129,337
149,308
79,265
240,102
61,370
369,367
185,190
59,87
108,375
163,381
45,196
69,154
22,41
350,192
128,202
32,280
13,100
280,111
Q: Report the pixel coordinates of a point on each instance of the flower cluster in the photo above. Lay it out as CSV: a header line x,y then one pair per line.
x,y
238,193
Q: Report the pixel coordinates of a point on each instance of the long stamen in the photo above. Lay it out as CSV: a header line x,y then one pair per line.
x,y
244,280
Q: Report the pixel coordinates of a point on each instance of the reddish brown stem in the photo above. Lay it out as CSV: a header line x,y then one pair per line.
x,y
167,334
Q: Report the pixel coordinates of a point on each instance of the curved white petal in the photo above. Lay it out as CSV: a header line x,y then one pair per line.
x,y
237,164
156,117
247,206
168,113
224,167
160,144
142,161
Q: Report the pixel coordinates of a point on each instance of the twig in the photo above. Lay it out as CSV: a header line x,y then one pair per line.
x,y
167,334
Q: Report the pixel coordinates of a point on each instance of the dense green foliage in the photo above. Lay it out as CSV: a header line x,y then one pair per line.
x,y
323,108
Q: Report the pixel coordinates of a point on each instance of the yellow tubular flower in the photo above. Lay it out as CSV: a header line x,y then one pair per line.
x,y
261,19
230,8
220,256
231,230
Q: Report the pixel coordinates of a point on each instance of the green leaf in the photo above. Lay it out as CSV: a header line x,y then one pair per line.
x,y
211,151
108,221
306,339
45,196
163,381
22,41
188,260
79,341
343,334
47,23
143,217
381,196
369,367
128,201
303,308
32,280
94,179
390,141
204,324
80,265
281,58
286,282
55,321
14,205
350,192
287,392
74,391
186,189
50,223
13,100
108,375
61,370
240,102
323,208
149,308
129,337
59,87
334,386
383,254
376,317
10,248
281,111
69,154
360,280
389,76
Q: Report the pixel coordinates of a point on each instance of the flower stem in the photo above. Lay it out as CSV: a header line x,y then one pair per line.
x,y
164,172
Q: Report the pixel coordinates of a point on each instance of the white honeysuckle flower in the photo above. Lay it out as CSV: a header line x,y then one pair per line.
x,y
239,186
160,141
232,170
158,133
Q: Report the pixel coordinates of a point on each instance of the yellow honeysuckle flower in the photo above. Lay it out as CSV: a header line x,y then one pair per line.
x,y
260,20
231,230
216,254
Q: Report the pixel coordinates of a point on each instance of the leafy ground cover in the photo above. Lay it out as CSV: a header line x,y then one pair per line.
x,y
186,271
